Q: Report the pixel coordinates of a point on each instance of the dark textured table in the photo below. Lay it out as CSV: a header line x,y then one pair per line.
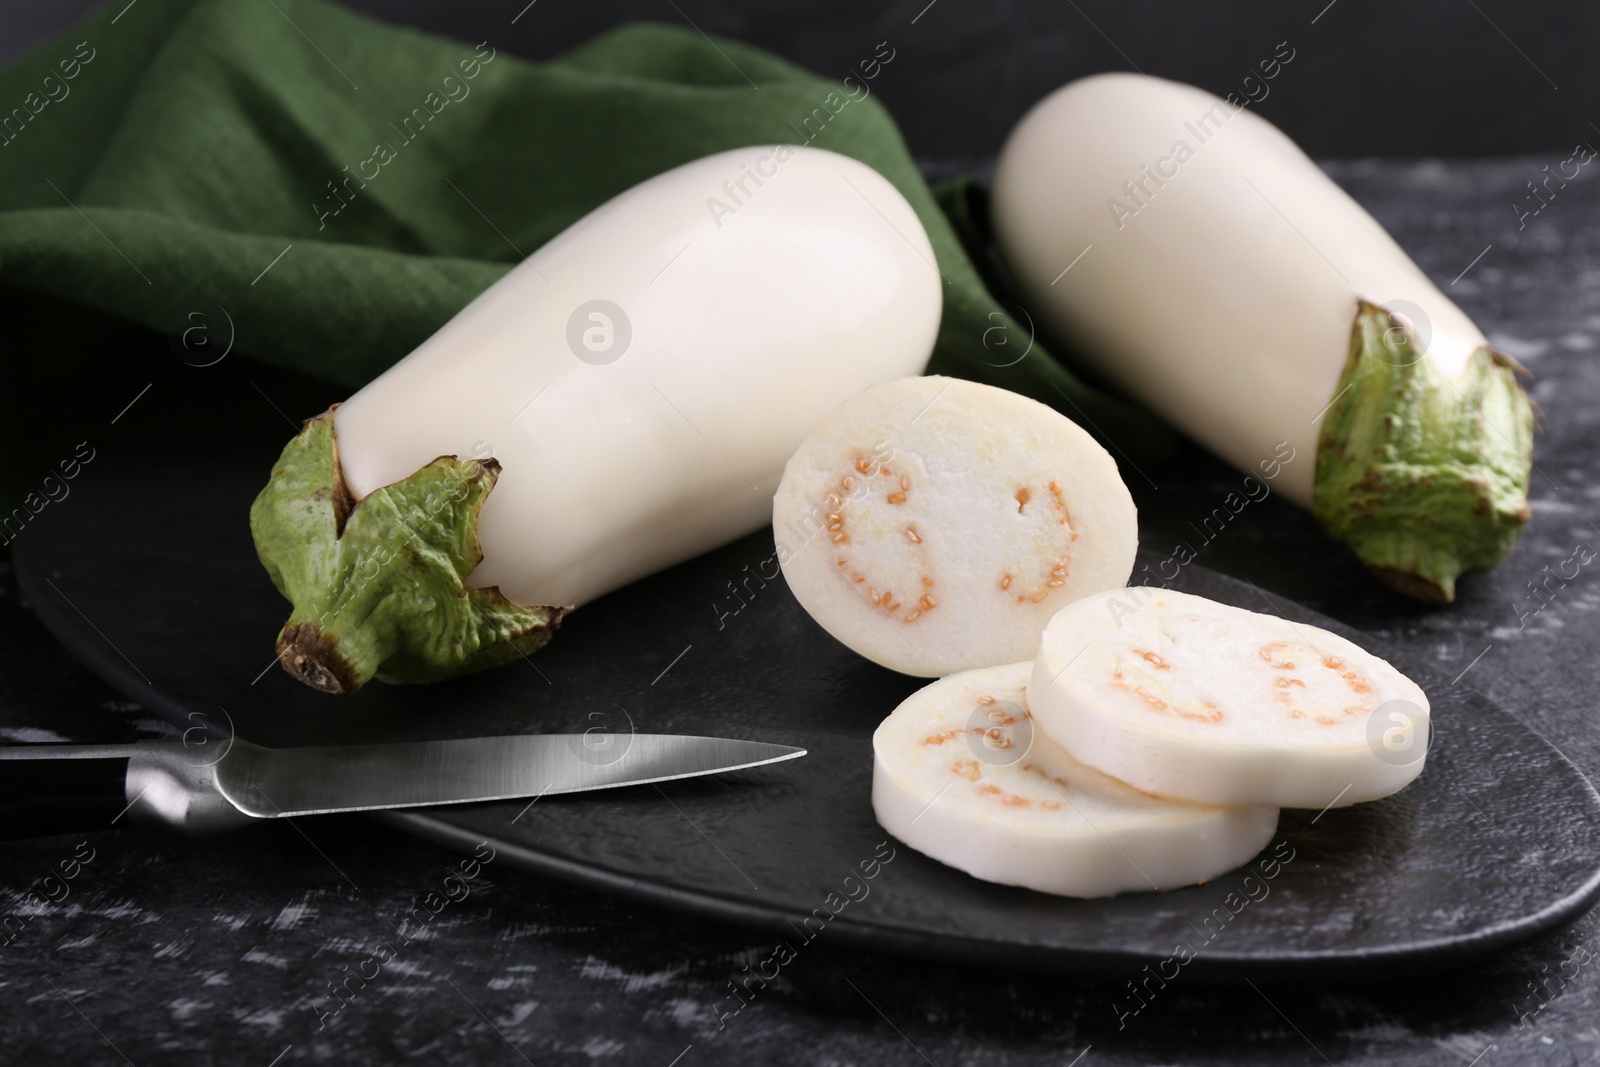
x,y
161,949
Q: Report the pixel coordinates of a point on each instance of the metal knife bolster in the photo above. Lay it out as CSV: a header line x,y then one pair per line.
x,y
166,786
152,782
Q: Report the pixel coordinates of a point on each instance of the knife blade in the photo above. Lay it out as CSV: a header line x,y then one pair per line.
x,y
53,788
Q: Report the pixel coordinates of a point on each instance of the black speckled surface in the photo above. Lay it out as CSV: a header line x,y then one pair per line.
x,y
166,950
1421,881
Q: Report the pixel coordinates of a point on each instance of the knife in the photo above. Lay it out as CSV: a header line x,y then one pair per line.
x,y
62,788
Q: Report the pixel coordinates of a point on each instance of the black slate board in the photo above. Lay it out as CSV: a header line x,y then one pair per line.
x,y
148,574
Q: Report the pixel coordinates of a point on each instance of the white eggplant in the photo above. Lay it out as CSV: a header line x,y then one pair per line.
x,y
1184,697
630,392
934,525
961,774
1199,259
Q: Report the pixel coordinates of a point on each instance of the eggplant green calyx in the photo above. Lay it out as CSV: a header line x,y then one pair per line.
x,y
378,586
1424,476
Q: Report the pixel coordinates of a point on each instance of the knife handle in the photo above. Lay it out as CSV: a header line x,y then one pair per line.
x,y
40,797
62,788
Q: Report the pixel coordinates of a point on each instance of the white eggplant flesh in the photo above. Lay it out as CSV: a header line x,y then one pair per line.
x,y
962,774
1199,259
741,332
934,525
1188,698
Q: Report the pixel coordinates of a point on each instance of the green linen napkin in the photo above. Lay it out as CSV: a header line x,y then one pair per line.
x,y
181,151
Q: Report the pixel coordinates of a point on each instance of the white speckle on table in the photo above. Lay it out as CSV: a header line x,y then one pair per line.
x,y
517,1014
601,1047
255,955
413,989
518,975
694,1014
171,948
183,1008
269,1019
1467,1045
406,969
127,909
1517,347
1537,623
78,942
631,983
234,923
517,933
432,930
1552,506
1577,341
292,914
30,735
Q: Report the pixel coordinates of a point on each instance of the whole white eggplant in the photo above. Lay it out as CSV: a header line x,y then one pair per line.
x,y
1203,262
630,392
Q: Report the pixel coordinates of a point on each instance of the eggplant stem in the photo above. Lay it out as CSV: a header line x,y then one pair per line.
x,y
312,656
379,586
1424,477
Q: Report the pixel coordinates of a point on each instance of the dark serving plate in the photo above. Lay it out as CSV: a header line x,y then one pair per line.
x,y
148,574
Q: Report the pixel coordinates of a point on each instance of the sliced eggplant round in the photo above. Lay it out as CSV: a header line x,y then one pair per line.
x,y
962,775
935,525
1189,698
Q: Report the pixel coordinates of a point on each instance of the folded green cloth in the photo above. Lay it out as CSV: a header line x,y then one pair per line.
x,y
178,151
